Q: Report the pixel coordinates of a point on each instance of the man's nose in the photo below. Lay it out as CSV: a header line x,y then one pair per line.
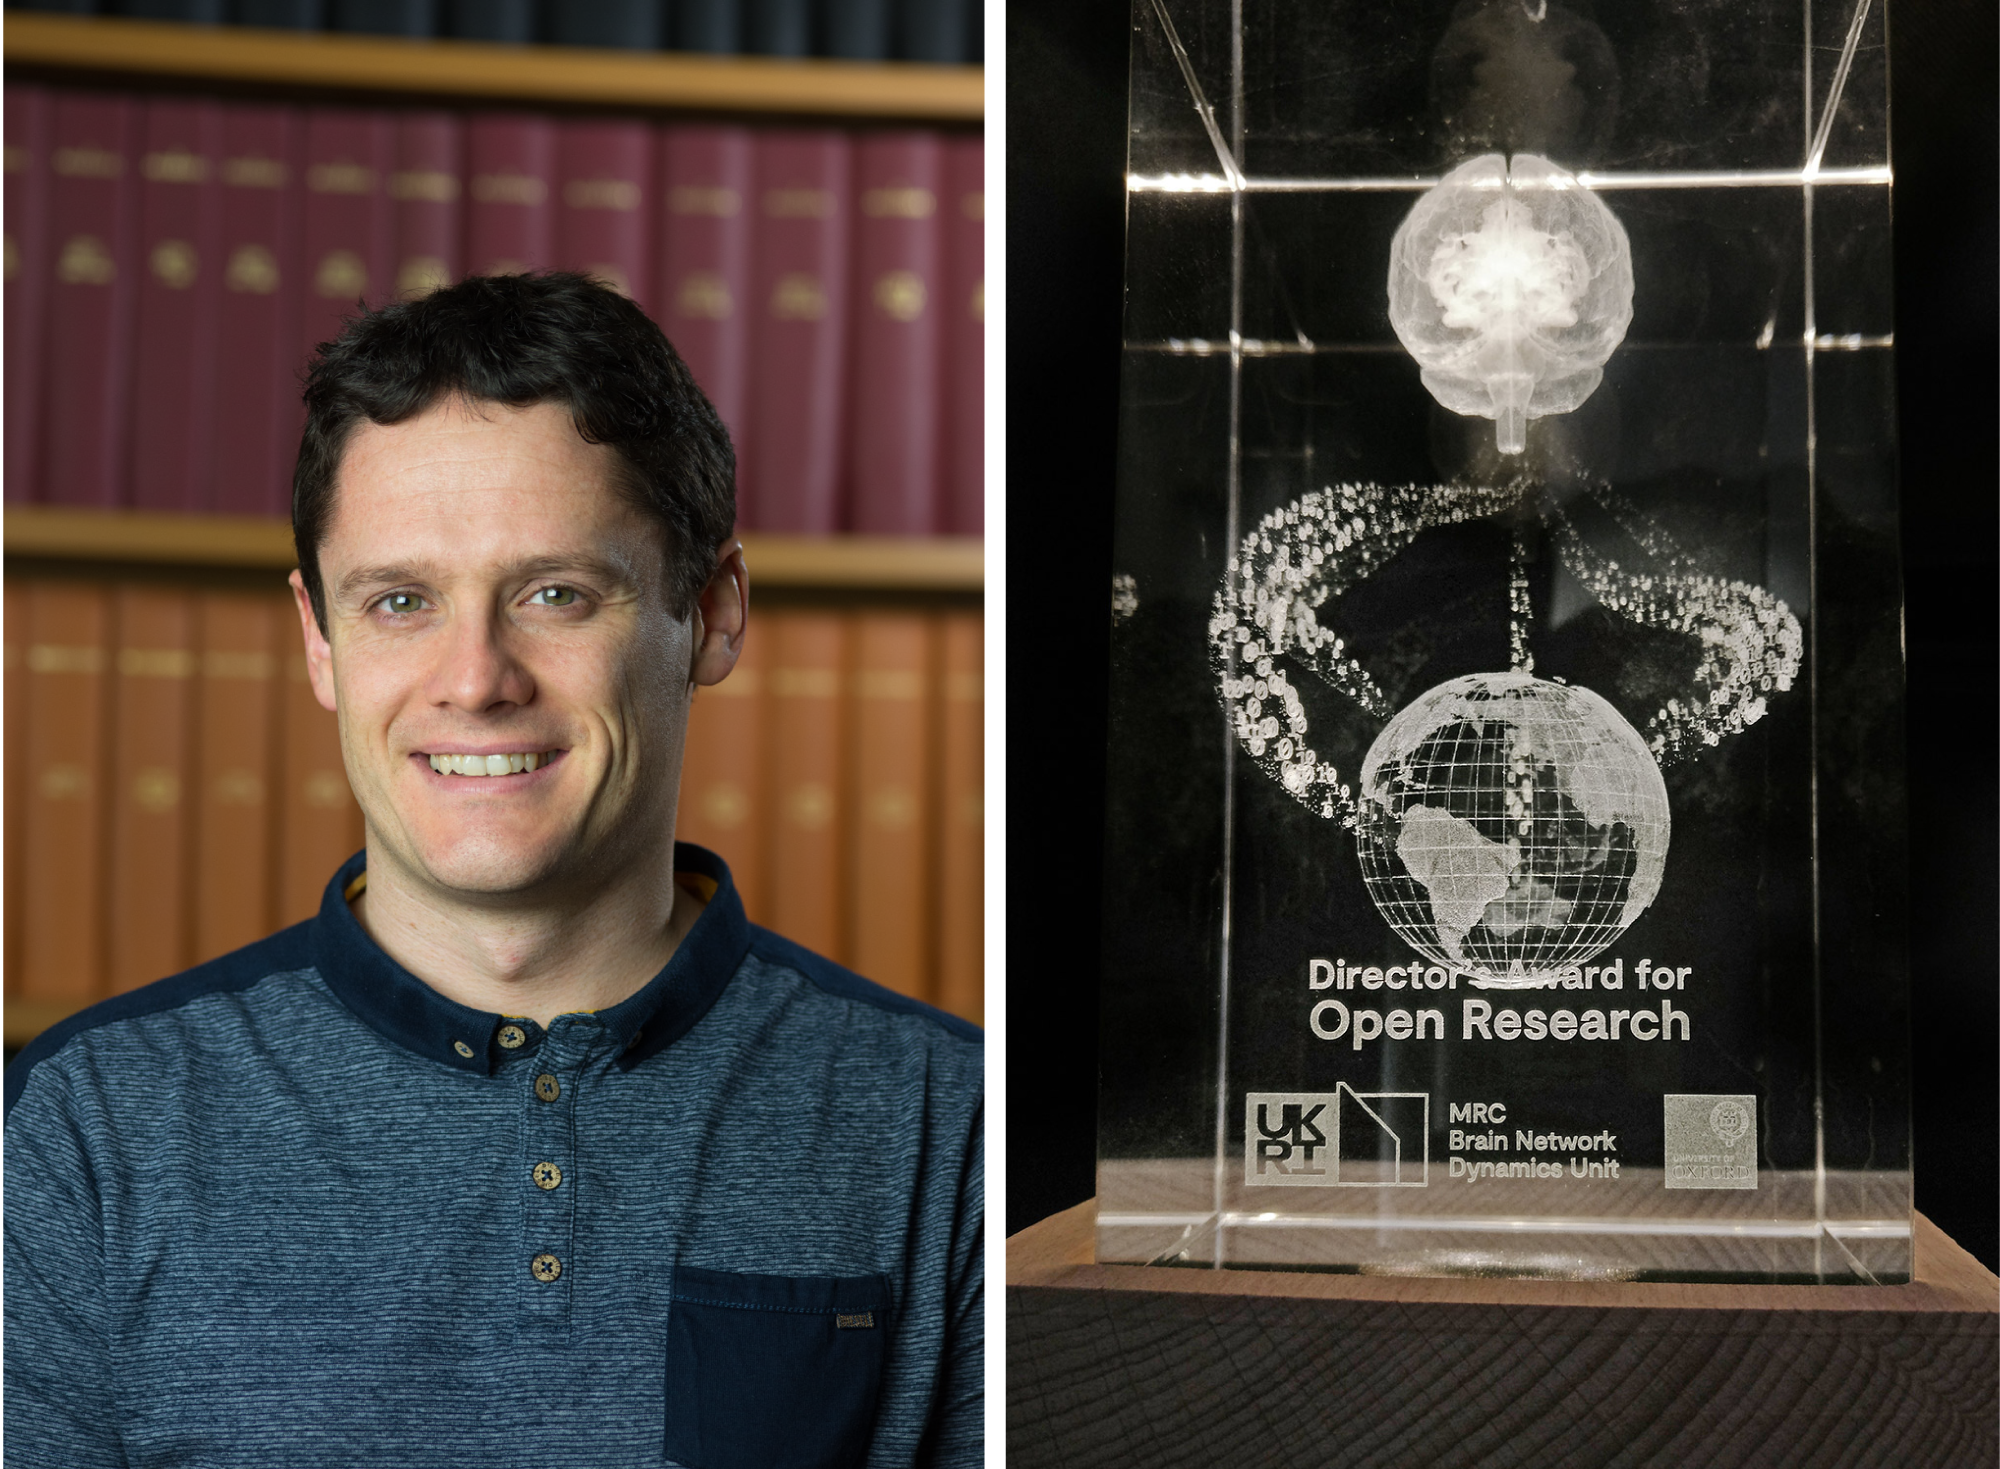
x,y
478,669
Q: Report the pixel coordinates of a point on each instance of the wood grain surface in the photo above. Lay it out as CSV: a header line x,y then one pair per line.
x,y
560,74
1114,1365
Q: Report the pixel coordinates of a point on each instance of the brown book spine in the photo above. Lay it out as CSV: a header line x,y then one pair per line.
x,y
236,759
722,774
62,890
15,811
152,745
320,822
961,818
808,655
890,868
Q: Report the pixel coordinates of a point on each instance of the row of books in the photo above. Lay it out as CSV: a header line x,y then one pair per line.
x,y
174,790
939,31
172,261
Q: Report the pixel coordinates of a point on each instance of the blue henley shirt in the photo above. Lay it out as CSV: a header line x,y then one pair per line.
x,y
295,1207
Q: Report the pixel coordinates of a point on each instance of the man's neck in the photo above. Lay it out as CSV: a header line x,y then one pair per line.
x,y
536,959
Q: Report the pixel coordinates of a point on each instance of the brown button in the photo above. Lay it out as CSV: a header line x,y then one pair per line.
x,y
513,1037
462,1048
547,1175
545,1268
547,1087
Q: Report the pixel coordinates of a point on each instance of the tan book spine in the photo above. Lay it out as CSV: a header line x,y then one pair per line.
x,y
153,693
14,811
236,760
319,822
722,773
961,818
891,868
808,657
68,746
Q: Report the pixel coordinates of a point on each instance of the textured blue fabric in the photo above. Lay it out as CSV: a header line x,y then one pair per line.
x,y
265,1213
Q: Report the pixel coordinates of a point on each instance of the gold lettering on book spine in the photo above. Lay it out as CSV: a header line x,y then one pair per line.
x,y
174,166
704,296
899,294
85,262
252,271
174,264
88,163
900,202
798,297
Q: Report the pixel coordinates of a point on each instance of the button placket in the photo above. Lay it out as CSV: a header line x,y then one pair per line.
x,y
547,1168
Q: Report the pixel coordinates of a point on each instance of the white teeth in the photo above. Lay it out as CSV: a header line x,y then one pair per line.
x,y
482,765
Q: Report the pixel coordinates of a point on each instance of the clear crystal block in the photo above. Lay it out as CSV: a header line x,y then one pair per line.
x,y
1506,849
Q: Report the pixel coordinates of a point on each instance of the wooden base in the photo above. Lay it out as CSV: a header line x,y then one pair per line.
x,y
1124,1364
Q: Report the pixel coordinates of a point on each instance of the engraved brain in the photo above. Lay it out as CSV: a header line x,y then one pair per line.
x,y
1509,827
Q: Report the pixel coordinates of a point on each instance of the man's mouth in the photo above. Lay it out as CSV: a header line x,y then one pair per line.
x,y
512,762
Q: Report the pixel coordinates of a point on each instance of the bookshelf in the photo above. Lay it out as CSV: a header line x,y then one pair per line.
x,y
944,565
234,55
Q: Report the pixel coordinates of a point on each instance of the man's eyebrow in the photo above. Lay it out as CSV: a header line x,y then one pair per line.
x,y
614,569
387,574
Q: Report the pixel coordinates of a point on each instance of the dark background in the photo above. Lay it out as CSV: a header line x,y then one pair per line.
x,y
1066,72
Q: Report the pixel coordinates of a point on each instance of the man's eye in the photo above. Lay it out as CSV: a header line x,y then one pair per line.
x,y
402,603
555,597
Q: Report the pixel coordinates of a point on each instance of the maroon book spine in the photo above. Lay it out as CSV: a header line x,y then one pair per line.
x,y
964,205
27,287
93,228
791,463
898,344
510,221
349,228
347,240
703,295
180,238
257,331
603,214
425,189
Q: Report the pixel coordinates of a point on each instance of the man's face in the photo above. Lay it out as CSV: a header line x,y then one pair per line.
x,y
493,602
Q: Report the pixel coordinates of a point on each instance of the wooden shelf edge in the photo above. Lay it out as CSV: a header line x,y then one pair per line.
x,y
867,563
845,563
904,90
1059,1253
59,533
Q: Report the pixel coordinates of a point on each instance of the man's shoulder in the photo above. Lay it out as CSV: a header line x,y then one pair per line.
x,y
287,951
842,984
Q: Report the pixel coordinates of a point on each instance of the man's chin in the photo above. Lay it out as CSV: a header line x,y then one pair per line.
x,y
484,866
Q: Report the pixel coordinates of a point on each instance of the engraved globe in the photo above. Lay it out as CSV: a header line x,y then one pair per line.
x,y
1510,827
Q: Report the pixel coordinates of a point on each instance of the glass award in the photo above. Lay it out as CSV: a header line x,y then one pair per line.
x,y
1506,830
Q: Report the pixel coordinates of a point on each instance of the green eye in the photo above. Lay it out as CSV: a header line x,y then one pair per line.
x,y
402,602
556,597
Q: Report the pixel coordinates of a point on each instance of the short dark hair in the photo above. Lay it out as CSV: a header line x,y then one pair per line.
x,y
552,337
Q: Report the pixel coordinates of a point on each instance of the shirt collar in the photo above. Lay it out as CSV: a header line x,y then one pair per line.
x,y
409,1012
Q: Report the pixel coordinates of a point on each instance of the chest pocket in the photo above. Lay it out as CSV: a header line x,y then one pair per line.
x,y
773,1371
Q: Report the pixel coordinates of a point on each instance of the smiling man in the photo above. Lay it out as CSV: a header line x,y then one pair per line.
x,y
528,1148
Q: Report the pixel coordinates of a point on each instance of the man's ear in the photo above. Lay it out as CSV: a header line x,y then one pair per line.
x,y
721,614
319,654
